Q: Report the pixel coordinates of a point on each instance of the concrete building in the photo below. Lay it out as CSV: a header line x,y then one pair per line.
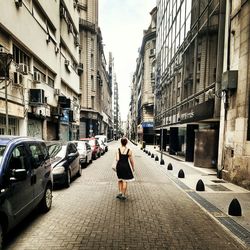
x,y
40,92
94,82
190,37
234,143
142,90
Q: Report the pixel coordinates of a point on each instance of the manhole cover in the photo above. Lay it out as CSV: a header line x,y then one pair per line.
x,y
218,188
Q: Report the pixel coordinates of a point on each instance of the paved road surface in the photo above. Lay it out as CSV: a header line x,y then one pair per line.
x,y
157,214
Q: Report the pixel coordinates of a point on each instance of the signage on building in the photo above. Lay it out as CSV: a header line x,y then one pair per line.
x,y
147,124
200,112
65,116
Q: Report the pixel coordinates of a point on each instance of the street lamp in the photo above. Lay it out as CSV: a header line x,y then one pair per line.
x,y
5,60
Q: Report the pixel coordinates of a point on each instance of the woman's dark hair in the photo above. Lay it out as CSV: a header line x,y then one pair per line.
x,y
124,141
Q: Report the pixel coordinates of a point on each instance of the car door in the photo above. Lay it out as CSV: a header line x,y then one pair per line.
x,y
19,192
73,158
89,151
40,167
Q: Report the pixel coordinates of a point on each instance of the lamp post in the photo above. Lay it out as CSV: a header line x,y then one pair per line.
x,y
5,60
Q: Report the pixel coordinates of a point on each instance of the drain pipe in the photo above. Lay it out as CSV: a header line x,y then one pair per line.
x,y
220,64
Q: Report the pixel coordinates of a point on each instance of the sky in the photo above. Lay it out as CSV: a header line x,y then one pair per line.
x,y
122,23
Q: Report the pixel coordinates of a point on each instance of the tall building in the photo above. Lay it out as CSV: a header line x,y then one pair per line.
x,y
116,109
40,88
188,76
57,85
144,83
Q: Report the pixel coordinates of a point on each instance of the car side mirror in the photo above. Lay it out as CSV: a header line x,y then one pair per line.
x,y
18,175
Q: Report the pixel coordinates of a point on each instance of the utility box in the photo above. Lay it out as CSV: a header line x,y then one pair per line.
x,y
229,80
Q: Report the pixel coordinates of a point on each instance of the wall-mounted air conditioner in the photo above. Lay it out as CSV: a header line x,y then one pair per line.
x,y
57,91
37,77
2,50
66,62
17,79
36,96
18,3
22,68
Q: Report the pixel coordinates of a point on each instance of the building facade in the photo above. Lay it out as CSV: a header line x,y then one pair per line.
x,y
142,88
40,96
234,143
56,85
188,78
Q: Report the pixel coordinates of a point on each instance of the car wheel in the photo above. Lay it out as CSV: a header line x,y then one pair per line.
x,y
79,171
46,202
68,179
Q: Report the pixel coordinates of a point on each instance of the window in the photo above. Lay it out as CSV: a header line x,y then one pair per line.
x,y
92,83
92,61
17,159
20,57
92,102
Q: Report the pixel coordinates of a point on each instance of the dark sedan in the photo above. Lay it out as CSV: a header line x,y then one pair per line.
x,y
65,162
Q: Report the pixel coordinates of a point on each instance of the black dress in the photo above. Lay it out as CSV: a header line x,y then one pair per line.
x,y
123,169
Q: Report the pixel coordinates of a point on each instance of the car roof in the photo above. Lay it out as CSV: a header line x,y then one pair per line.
x,y
6,139
87,139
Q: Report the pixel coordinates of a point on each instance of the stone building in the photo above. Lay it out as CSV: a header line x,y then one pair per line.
x,y
42,86
142,95
94,83
234,143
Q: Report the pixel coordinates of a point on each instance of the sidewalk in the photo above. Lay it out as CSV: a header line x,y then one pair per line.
x,y
217,196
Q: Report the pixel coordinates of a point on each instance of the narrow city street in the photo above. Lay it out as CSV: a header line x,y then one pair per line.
x,y
156,215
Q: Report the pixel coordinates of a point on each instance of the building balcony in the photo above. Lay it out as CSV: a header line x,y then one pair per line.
x,y
86,25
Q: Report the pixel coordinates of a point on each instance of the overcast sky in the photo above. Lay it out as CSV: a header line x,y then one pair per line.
x,y
122,23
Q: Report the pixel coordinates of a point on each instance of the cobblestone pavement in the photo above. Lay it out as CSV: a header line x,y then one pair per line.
x,y
156,215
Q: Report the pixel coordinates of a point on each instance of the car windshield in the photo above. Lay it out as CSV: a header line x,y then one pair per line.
x,y
2,149
80,145
91,142
57,150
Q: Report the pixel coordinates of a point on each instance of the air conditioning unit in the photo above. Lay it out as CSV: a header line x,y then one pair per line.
x,y
37,77
22,68
77,41
40,111
70,28
67,62
62,12
18,3
2,50
36,97
17,79
57,91
56,49
80,68
47,38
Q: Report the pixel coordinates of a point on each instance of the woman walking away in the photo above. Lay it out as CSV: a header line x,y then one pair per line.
x,y
123,169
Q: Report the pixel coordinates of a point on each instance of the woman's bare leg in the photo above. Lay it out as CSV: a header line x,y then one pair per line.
x,y
124,187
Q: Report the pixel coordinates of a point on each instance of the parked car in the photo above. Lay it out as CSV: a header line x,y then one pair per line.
x,y
95,146
85,152
103,138
25,180
102,146
65,161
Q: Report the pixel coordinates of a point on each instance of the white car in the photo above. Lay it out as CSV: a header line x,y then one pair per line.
x,y
103,138
85,152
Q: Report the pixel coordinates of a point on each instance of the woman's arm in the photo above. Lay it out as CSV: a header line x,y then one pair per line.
x,y
131,160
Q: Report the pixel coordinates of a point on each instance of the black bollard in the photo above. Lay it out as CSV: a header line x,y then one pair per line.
x,y
200,186
156,158
149,153
181,174
162,162
152,155
234,208
170,167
